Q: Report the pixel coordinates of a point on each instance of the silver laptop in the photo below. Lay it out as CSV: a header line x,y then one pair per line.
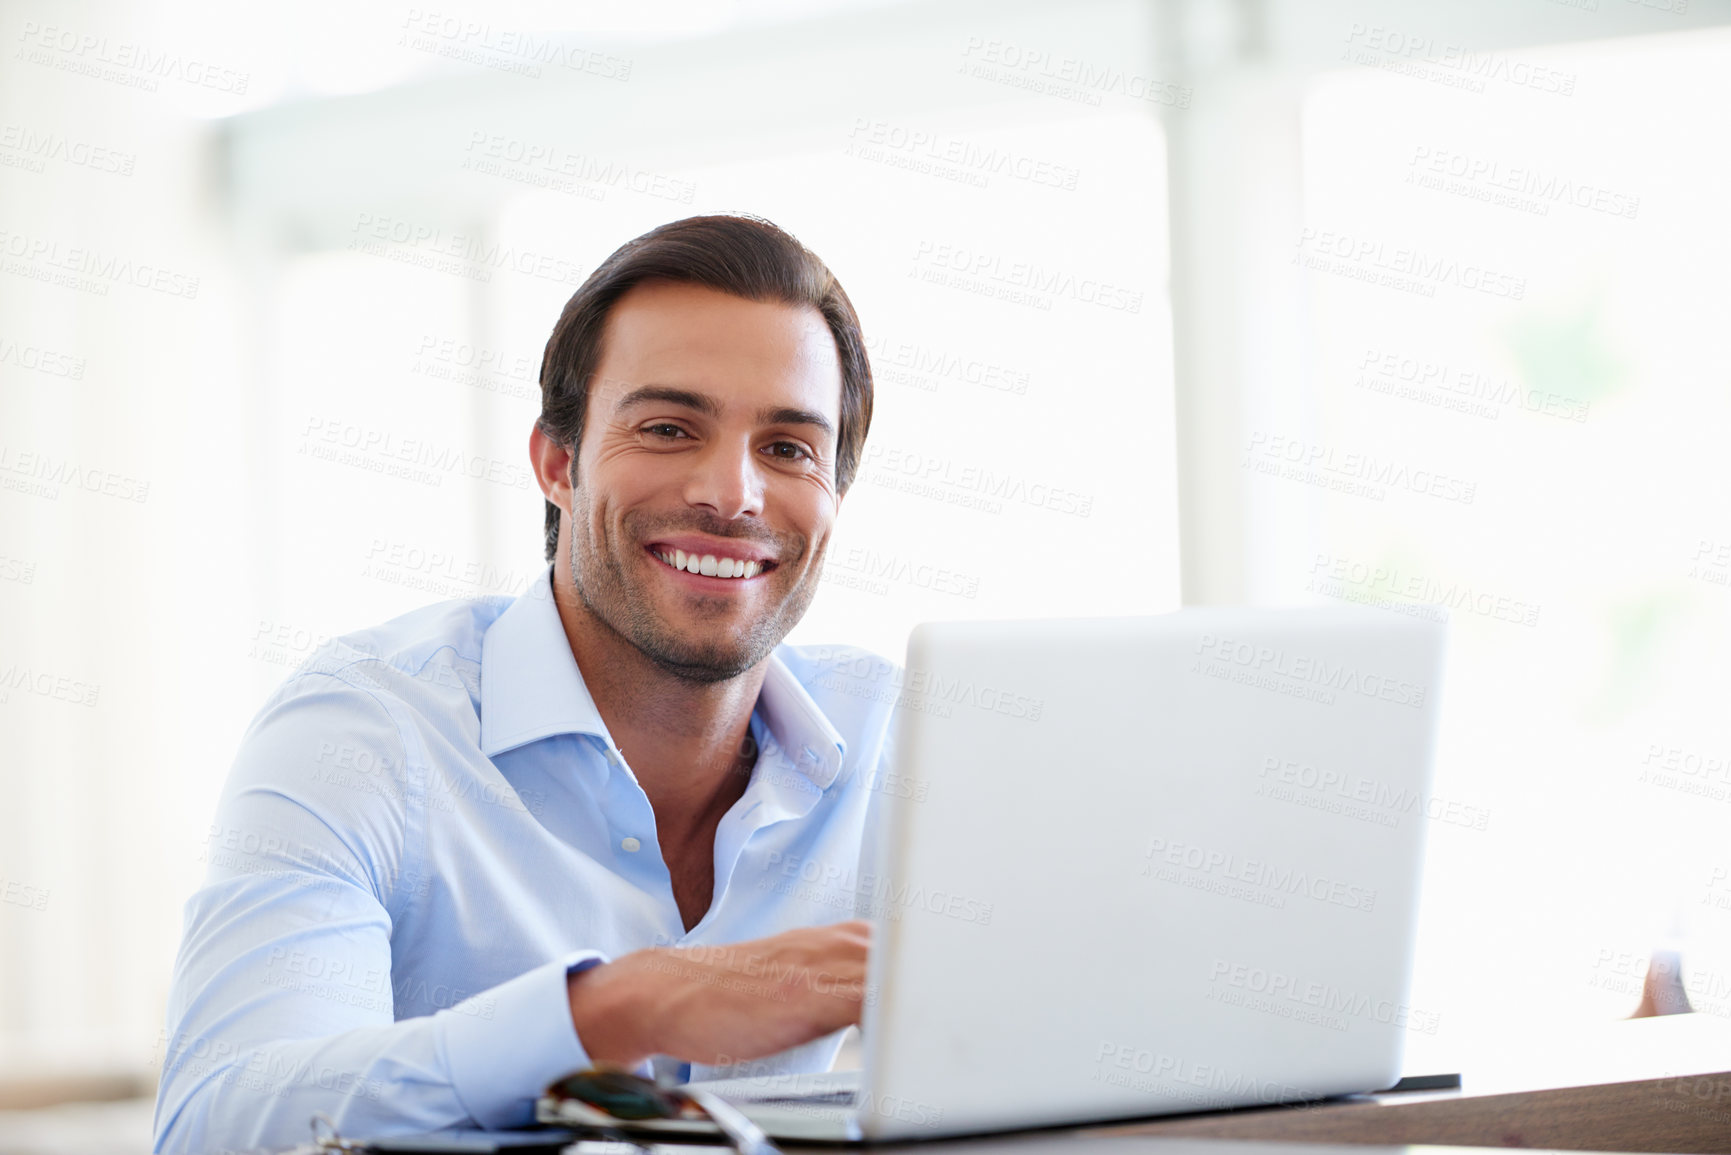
x,y
1135,866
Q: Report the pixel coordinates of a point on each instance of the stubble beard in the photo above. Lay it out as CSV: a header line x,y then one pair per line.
x,y
607,591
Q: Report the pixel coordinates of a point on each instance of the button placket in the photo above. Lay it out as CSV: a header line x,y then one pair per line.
x,y
627,843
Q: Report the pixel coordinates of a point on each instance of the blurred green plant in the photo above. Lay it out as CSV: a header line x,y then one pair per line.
x,y
1566,352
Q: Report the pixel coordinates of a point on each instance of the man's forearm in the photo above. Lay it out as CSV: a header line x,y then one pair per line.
x,y
613,1018
248,1081
744,1000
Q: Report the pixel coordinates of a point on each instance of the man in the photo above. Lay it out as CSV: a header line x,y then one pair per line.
x,y
494,841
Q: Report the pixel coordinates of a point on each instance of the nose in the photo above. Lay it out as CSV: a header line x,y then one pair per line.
x,y
725,479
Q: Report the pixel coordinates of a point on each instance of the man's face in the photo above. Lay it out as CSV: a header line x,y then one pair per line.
x,y
711,430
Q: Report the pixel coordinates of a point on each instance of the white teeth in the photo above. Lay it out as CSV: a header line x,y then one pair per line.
x,y
710,566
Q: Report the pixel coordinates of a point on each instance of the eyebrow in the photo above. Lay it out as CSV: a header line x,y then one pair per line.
x,y
705,404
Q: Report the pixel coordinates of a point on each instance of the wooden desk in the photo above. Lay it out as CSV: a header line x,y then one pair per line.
x,y
1685,1113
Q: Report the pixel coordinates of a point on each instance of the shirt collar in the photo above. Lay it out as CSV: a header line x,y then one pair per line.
x,y
532,689
801,728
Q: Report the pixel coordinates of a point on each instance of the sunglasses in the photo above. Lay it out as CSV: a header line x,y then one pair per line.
x,y
605,1097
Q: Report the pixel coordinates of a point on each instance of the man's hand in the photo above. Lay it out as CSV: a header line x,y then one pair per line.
x,y
739,1001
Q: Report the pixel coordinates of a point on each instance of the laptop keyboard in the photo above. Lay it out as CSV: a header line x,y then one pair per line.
x,y
830,1088
827,1098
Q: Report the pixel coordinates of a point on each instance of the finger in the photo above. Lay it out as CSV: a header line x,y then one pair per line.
x,y
856,942
854,930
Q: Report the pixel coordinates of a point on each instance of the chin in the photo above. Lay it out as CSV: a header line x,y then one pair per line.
x,y
704,654
703,668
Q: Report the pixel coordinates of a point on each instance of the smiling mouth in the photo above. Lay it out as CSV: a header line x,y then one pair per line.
x,y
711,565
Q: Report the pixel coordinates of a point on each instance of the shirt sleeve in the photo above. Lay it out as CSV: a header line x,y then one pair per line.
x,y
281,1004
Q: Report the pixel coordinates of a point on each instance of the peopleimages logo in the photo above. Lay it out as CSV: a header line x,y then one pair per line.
x,y
550,165
1461,389
921,150
1352,473
122,61
1354,796
22,894
87,269
413,459
46,684
1276,992
1369,258
1525,184
1456,65
1067,77
37,359
1120,1063
926,365
504,49
430,246
849,671
32,148
1048,282
1269,881
1281,663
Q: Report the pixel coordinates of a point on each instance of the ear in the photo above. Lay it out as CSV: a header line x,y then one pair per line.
x,y
552,464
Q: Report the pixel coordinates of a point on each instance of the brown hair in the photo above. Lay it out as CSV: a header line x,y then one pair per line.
x,y
742,255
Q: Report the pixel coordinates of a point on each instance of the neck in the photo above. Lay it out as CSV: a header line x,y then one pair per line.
x,y
685,741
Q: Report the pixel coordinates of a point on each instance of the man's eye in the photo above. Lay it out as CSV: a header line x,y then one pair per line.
x,y
655,430
798,454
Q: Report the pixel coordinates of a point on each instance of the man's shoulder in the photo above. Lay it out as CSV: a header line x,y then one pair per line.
x,y
343,730
428,652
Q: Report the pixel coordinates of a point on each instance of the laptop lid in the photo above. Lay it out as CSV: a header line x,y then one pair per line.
x,y
1146,865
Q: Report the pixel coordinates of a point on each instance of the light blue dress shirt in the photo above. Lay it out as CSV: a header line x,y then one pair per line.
x,y
428,826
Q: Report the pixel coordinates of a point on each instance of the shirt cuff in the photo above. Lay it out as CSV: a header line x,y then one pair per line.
x,y
505,1045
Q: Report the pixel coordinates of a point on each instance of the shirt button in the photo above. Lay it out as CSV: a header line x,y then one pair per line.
x,y
630,845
